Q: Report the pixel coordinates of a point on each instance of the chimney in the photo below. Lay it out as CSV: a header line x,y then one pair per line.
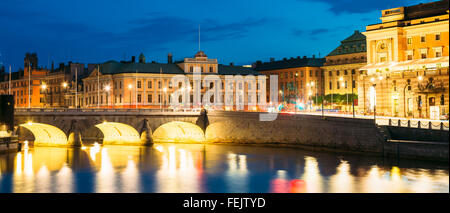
x,y
258,63
314,56
284,59
298,57
169,58
272,59
231,64
133,59
304,56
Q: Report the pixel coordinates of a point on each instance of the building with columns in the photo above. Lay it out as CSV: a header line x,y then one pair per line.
x,y
341,71
148,85
407,63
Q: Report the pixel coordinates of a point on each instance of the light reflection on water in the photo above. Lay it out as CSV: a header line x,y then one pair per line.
x,y
211,168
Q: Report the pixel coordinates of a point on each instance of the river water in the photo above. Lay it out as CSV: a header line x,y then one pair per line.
x,y
212,168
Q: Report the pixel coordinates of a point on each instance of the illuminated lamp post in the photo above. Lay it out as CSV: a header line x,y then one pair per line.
x,y
164,97
65,85
44,88
108,88
129,88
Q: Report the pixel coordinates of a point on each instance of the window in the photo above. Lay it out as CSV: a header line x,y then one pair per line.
x,y
149,84
409,40
422,38
331,85
139,98
338,86
409,55
211,69
437,51
337,73
301,73
345,72
423,53
120,84
159,98
330,73
345,84
310,73
317,73
353,84
159,84
191,69
292,74
139,84
438,37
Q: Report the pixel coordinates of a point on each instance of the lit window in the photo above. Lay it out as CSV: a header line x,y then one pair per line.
x,y
438,37
409,40
422,38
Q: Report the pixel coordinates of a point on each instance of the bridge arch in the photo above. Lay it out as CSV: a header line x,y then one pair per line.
x,y
115,133
178,131
45,134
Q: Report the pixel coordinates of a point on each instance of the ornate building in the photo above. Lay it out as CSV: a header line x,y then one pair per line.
x,y
299,79
407,62
148,85
26,84
341,71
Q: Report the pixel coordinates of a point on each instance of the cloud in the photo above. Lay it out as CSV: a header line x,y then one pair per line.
x,y
352,6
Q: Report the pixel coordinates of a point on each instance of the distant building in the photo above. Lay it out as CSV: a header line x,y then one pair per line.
x,y
407,62
128,84
299,79
26,84
341,70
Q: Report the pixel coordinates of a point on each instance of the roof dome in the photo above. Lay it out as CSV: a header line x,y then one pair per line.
x,y
200,54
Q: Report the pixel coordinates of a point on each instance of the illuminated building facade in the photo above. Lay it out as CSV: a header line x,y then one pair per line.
x,y
341,71
407,63
299,79
25,84
130,84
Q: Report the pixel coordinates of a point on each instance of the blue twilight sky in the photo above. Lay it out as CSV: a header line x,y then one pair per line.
x,y
239,31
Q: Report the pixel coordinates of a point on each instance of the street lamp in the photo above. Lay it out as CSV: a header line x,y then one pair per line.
x,y
108,88
44,88
129,88
164,97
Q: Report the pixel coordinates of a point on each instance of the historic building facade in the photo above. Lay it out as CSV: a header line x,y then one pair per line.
x,y
299,79
341,71
26,84
407,63
148,85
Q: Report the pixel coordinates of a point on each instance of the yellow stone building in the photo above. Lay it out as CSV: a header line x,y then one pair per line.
x,y
341,71
148,85
407,63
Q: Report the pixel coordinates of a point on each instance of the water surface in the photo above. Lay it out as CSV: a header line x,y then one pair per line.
x,y
212,168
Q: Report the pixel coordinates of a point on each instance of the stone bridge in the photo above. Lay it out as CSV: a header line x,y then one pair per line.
x,y
142,127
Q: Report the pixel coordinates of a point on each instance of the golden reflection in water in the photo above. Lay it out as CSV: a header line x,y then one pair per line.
x,y
342,181
311,176
23,178
105,177
43,182
64,180
177,172
237,173
373,182
130,178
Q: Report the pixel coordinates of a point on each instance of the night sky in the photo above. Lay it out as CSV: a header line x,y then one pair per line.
x,y
239,31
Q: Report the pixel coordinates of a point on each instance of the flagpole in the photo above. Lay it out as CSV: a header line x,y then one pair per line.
x,y
98,86
135,90
29,85
9,87
160,100
76,87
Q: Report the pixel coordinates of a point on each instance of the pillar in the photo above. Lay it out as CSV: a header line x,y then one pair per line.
x,y
74,138
202,120
146,134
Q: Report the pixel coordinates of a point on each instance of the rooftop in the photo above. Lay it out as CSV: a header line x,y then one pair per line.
x,y
290,63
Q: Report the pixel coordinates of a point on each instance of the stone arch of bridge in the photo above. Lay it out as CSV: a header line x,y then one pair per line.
x,y
115,133
46,134
179,131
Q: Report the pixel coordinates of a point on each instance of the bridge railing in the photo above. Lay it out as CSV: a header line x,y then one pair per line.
x,y
101,110
438,125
